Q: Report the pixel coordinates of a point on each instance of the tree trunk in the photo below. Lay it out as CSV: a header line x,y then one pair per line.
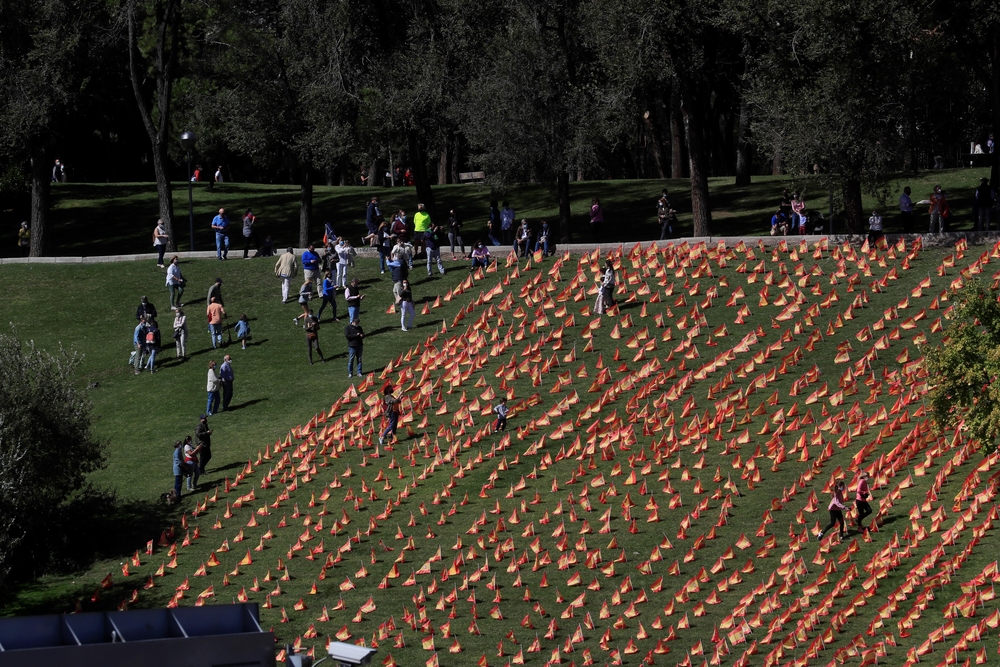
x,y
676,133
697,159
853,211
372,171
743,149
443,167
994,90
41,177
655,143
454,159
418,164
776,163
305,204
565,229
166,14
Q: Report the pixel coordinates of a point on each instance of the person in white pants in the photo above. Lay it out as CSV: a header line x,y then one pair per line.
x,y
286,268
343,260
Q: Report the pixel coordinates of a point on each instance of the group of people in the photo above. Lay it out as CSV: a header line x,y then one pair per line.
x,y
839,504
191,456
791,217
248,232
984,205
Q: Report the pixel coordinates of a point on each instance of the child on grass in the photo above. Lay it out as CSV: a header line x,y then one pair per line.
x,y
243,330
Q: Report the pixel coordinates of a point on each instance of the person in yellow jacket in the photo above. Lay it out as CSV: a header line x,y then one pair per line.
x,y
421,225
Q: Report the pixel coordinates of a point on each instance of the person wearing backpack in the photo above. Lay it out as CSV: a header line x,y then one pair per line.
x,y
152,344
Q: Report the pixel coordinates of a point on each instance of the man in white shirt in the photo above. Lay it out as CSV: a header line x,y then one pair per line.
x,y
906,210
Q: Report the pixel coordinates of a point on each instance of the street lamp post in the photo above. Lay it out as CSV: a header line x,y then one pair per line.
x,y
187,141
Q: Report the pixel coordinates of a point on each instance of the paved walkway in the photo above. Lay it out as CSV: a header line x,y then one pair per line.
x,y
975,238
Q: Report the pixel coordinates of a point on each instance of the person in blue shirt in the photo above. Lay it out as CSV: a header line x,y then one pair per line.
x,y
310,266
220,225
329,295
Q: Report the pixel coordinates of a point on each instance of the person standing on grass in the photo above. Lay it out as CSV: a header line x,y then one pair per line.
x,y
215,292
372,215
145,310
837,506
985,201
343,252
152,344
861,497
455,233
405,301
249,235
312,336
329,296
226,378
175,282
432,242
874,228
305,294
160,238
215,313
212,406
310,266
608,284
493,224
390,413
938,210
191,462
383,241
596,218
353,297
24,238
180,333
286,268
220,225
139,344
421,225
203,436
179,467
355,336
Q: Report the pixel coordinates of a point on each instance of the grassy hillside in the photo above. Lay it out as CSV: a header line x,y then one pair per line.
x,y
659,491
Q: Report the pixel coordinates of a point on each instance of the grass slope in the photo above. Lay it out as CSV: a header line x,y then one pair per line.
x,y
659,490
116,218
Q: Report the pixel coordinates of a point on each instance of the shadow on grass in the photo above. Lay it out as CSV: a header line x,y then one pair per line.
x,y
95,526
245,404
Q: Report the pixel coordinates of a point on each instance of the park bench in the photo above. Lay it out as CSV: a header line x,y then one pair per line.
x,y
469,176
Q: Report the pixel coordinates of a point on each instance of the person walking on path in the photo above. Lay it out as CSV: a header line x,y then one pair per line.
x,y
175,282
906,210
837,506
180,333
596,218
355,346
139,344
305,294
160,238
191,465
310,266
455,233
405,301
390,413
249,235
212,406
226,378
203,436
152,344
329,296
862,495
215,313
286,268
353,297
220,225
312,337
24,238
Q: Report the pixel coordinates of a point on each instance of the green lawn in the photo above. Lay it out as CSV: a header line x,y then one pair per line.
x,y
116,218
611,522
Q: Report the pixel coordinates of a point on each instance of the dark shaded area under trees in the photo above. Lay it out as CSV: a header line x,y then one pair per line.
x,y
840,95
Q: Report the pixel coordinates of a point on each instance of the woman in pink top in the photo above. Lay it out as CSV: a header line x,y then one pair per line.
x,y
861,497
837,506
596,217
